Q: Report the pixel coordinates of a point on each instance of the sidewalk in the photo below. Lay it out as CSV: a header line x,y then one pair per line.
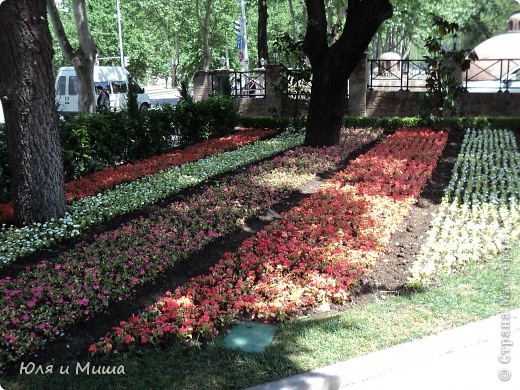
x,y
462,358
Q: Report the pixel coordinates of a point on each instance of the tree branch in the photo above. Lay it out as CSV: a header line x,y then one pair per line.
x,y
59,31
363,21
86,42
315,41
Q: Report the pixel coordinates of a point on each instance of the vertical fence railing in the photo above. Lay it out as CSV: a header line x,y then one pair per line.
x,y
394,74
486,76
492,75
242,84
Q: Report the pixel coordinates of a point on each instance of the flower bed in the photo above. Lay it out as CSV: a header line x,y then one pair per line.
x,y
317,252
16,242
38,303
107,178
480,211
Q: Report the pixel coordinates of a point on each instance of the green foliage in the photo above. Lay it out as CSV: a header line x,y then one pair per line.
x,y
443,82
454,123
389,124
92,141
186,95
407,30
77,151
265,122
205,119
294,88
149,29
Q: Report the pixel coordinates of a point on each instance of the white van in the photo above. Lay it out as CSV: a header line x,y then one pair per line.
x,y
115,79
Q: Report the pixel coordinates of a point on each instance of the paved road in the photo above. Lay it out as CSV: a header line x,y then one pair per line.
x,y
163,95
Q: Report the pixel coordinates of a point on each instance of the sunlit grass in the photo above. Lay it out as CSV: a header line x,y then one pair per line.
x,y
307,343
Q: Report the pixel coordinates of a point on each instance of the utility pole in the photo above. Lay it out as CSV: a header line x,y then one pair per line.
x,y
244,33
120,36
227,52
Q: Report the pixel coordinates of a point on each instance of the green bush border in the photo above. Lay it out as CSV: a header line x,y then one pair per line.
x,y
90,142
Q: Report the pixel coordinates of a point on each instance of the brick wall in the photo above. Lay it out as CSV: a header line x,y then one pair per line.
x,y
363,102
391,103
491,104
402,103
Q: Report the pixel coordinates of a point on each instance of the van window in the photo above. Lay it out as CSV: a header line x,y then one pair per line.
x,y
73,85
119,87
105,85
62,81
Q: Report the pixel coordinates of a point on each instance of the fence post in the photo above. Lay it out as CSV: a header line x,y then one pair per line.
x,y
201,85
272,81
357,101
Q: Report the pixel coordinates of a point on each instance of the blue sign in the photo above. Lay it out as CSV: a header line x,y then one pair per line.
x,y
240,43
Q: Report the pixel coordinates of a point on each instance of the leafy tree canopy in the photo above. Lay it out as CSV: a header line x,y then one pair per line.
x,y
147,24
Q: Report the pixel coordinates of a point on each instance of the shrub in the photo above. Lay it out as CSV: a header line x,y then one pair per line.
x,y
93,141
265,122
205,119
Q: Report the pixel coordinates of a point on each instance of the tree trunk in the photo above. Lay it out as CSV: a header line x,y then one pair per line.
x,y
176,61
294,21
27,91
332,66
85,73
263,50
327,105
204,26
84,58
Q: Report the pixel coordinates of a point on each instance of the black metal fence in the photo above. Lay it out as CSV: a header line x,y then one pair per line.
x,y
491,76
485,76
240,84
495,75
394,74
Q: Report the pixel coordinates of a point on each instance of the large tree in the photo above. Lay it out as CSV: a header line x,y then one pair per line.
x,y
83,58
263,50
204,20
27,94
332,65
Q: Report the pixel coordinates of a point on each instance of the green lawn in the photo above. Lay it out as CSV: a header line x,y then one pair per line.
x,y
306,343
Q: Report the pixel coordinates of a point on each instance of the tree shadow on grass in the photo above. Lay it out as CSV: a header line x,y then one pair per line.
x,y
180,367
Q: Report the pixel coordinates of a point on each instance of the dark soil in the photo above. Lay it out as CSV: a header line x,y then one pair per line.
x,y
387,277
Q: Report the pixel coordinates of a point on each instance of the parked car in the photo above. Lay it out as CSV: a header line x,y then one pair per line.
x,y
114,79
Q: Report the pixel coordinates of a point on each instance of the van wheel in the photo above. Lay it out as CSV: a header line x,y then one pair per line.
x,y
144,107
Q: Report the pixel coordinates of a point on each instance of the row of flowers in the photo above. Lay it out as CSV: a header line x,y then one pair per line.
x,y
37,304
317,252
126,197
480,212
107,178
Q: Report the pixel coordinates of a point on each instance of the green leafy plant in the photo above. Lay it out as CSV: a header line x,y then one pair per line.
x,y
480,212
294,88
444,67
185,90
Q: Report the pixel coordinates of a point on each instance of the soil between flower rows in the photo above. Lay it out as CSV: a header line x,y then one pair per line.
x,y
386,278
